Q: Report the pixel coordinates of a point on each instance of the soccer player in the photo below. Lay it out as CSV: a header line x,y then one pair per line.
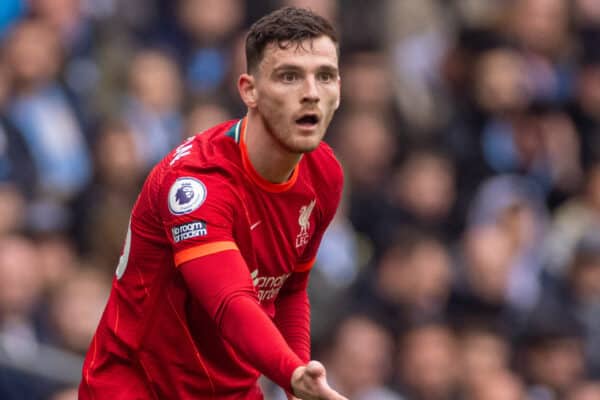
x,y
210,291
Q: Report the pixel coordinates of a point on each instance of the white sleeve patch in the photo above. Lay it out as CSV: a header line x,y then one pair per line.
x,y
186,195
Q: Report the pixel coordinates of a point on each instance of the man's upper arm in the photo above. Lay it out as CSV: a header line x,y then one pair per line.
x,y
198,213
198,216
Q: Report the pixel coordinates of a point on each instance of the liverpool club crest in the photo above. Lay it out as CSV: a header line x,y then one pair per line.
x,y
304,222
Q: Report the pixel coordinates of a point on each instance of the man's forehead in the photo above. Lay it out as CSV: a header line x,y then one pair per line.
x,y
319,50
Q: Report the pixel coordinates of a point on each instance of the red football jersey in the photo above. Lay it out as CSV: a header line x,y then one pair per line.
x,y
155,340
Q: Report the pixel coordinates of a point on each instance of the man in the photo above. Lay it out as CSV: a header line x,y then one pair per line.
x,y
210,291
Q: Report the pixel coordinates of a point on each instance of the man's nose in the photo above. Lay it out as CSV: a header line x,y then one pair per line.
x,y
311,91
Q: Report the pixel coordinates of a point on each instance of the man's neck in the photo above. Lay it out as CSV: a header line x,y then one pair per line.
x,y
270,160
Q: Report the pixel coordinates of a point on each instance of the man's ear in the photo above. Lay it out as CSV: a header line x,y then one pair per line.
x,y
247,89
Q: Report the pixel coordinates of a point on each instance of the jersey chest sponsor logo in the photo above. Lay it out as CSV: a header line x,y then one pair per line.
x,y
304,222
186,195
267,287
189,231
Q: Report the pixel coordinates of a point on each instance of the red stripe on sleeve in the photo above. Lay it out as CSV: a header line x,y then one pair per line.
x,y
203,250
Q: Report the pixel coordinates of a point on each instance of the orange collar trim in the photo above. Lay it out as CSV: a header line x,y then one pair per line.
x,y
256,178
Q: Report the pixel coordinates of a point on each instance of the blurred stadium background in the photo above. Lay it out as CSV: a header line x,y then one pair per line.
x,y
464,263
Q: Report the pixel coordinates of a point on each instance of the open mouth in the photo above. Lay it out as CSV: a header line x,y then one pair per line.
x,y
308,120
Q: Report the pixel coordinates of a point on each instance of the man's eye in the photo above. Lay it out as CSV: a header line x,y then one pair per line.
x,y
289,76
325,76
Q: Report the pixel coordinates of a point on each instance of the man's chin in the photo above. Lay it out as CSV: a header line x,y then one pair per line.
x,y
306,143
301,148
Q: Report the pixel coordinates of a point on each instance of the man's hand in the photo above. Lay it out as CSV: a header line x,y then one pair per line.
x,y
310,383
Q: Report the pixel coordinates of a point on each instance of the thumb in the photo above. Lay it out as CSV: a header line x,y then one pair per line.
x,y
315,369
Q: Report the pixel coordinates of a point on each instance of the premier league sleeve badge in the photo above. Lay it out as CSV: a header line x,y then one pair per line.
x,y
186,195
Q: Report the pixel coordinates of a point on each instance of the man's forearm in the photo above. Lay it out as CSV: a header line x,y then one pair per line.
x,y
227,294
293,320
251,332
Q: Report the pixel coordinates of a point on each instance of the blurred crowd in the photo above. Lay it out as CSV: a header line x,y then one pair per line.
x,y
464,262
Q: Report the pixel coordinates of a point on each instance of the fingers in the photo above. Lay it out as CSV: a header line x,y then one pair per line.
x,y
315,369
339,397
311,381
330,394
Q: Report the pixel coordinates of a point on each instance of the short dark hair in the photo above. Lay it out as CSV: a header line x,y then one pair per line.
x,y
285,26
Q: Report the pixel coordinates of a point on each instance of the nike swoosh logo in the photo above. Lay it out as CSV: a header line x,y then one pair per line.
x,y
254,225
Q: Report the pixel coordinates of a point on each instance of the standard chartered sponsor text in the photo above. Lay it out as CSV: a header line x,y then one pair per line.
x,y
268,287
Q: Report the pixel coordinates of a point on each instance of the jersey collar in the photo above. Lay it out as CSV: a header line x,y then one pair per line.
x,y
254,176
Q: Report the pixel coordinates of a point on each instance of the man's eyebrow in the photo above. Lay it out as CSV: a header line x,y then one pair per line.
x,y
293,67
329,68
287,67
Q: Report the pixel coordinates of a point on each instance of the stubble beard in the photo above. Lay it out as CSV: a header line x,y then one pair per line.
x,y
285,138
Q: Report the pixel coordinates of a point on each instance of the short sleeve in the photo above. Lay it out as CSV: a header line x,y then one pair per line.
x,y
198,213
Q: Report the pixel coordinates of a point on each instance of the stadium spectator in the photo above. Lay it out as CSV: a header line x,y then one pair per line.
x,y
498,385
410,282
42,111
588,390
203,115
103,208
425,362
551,355
360,359
151,106
575,295
485,353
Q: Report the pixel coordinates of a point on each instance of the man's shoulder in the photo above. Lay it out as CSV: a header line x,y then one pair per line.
x,y
324,151
210,156
205,151
325,176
